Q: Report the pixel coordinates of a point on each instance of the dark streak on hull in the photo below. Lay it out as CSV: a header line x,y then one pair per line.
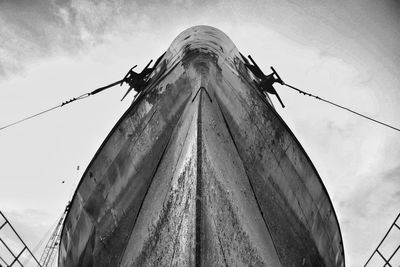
x,y
199,184
201,171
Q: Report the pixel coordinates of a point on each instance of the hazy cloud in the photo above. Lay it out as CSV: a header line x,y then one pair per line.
x,y
40,28
344,51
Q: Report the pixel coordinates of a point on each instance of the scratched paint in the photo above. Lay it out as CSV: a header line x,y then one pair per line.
x,y
201,171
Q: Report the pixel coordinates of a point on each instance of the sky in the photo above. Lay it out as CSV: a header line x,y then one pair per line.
x,y
344,51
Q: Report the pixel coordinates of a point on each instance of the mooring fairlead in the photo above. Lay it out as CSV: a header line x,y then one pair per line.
x,y
138,81
265,85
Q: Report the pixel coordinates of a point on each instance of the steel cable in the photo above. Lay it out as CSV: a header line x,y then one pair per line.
x,y
342,107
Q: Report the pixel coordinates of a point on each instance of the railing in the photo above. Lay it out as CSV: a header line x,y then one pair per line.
x,y
8,254
390,237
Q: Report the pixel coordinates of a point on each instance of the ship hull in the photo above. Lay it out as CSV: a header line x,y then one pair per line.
x,y
201,170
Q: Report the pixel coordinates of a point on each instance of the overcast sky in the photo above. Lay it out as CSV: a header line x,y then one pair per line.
x,y
345,51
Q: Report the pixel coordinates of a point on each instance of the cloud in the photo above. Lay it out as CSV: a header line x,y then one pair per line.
x,y
345,52
39,29
370,201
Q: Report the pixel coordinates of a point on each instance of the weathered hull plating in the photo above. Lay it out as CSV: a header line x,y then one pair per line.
x,y
201,170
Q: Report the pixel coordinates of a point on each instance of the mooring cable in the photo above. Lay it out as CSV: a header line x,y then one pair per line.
x,y
340,106
83,96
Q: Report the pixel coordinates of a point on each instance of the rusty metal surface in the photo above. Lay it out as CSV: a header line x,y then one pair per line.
x,y
201,170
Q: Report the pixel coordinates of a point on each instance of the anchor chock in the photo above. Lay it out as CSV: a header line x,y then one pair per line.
x,y
138,81
266,81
